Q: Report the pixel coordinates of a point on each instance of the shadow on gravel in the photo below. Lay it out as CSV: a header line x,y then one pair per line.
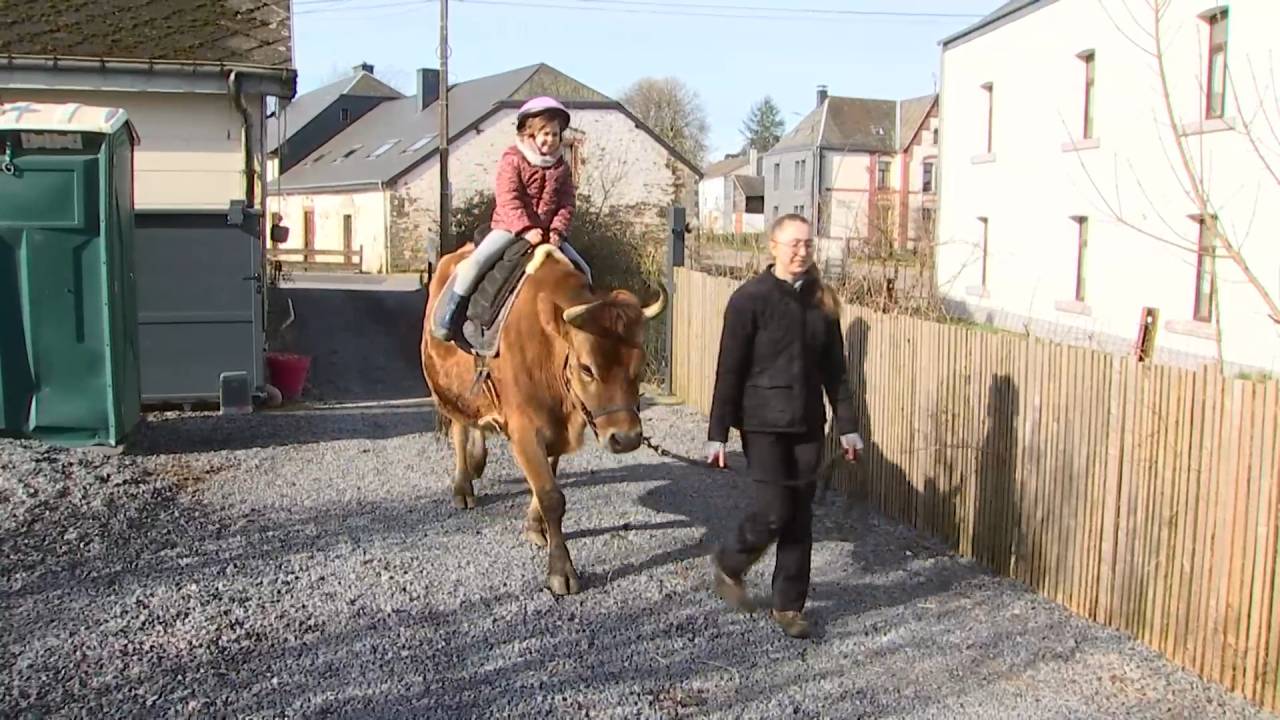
x,y
212,433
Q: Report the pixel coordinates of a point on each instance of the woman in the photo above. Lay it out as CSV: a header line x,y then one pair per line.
x,y
781,348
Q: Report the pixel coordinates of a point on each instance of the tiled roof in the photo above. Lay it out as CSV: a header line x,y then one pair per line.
x,y
230,32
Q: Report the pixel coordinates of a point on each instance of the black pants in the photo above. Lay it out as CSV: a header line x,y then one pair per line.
x,y
784,470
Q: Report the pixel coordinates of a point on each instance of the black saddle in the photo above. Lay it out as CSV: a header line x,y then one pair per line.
x,y
486,310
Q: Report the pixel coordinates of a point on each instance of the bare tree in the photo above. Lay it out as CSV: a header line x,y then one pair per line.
x,y
674,111
1146,24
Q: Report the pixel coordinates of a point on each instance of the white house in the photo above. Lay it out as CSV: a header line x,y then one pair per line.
x,y
374,185
1074,207
196,92
731,194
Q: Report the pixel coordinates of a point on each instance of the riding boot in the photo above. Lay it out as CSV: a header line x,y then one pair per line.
x,y
446,316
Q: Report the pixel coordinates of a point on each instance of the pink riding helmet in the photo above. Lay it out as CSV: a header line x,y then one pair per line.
x,y
538,106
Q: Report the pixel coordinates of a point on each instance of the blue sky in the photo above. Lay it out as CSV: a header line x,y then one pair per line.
x,y
730,61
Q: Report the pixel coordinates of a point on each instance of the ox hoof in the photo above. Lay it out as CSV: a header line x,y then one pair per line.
x,y
535,536
464,502
563,583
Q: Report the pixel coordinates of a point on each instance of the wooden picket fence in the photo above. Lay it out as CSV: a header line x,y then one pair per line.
x,y
1140,496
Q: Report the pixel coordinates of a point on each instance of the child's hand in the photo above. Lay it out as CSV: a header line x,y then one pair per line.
x,y
534,236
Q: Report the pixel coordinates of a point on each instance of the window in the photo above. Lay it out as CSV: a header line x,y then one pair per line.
x,y
884,222
985,248
777,174
1215,88
382,149
1087,57
421,143
344,115
347,154
1082,245
926,184
1206,277
991,94
882,174
795,176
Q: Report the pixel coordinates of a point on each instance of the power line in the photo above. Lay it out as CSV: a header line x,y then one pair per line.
x,y
775,8
315,7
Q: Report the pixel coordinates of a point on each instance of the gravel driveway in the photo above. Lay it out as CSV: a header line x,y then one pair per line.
x,y
310,564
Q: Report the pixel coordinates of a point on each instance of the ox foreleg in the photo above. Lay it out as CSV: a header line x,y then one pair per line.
x,y
469,458
548,501
535,528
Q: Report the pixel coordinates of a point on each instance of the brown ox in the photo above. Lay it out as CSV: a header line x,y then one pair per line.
x,y
571,359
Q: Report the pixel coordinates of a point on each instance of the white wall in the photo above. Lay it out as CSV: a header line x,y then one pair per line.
x,y
191,153
846,191
1031,185
368,219
711,192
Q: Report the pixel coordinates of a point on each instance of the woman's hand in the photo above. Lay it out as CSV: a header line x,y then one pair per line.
x,y
556,238
715,454
534,236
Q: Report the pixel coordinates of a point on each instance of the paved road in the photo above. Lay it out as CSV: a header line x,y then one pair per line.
x,y
362,333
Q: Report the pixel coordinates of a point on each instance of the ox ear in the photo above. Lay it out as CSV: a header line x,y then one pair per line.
x,y
577,314
655,308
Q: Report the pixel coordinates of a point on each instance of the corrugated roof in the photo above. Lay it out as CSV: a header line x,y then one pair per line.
x,y
751,185
723,167
414,133
857,125
910,115
993,19
233,32
804,134
860,124
308,105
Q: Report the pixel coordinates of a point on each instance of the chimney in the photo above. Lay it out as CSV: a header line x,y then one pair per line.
x,y
362,67
822,94
428,87
753,161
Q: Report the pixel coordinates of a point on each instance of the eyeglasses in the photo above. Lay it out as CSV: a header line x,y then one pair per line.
x,y
794,245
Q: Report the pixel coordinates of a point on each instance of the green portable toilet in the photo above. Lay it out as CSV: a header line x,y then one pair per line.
x,y
69,371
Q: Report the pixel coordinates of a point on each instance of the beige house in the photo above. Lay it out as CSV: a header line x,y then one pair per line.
x,y
862,170
1068,210
375,184
197,93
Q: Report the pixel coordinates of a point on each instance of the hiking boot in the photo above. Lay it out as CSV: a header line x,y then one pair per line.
x,y
446,316
792,623
732,590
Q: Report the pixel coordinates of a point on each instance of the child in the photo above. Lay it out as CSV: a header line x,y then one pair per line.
x,y
534,200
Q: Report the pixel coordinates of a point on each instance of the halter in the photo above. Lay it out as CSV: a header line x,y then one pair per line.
x,y
587,413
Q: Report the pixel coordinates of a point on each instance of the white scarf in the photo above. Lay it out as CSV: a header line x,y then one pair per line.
x,y
536,158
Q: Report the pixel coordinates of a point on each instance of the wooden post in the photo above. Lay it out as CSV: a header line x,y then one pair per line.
x,y
446,240
675,259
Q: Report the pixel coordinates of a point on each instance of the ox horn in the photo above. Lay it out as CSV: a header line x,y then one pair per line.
x,y
571,315
655,308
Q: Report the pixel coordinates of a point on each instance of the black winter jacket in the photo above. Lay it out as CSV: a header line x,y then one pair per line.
x,y
778,352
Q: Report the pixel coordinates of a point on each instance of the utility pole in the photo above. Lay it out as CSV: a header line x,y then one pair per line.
x,y
446,241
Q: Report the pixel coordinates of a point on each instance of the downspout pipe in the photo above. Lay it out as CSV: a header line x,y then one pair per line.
x,y
246,138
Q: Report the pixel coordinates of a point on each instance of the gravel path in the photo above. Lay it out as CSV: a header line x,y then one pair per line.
x,y
310,564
